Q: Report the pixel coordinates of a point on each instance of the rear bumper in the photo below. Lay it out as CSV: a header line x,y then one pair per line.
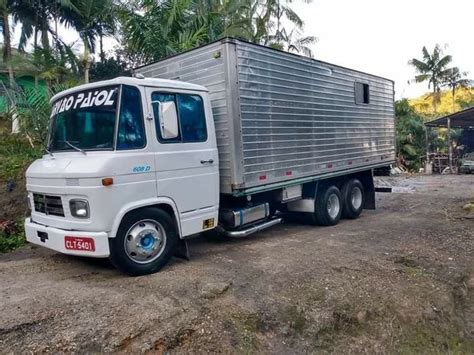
x,y
55,239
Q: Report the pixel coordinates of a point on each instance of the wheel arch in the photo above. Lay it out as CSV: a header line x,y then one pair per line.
x,y
165,203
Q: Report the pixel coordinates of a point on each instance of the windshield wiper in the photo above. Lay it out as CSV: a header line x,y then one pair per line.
x,y
75,147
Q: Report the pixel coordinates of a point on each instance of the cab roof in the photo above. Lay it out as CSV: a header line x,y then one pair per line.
x,y
161,83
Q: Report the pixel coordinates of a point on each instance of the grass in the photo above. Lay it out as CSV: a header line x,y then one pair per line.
x,y
410,266
245,327
12,237
429,339
294,317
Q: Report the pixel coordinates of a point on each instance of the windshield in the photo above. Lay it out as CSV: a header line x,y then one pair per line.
x,y
84,120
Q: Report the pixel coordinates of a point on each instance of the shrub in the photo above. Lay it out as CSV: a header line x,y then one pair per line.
x,y
15,153
410,134
12,236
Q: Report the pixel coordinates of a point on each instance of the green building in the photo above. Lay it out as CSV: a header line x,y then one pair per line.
x,y
23,82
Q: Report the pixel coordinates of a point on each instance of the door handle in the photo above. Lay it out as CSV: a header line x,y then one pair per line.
x,y
210,161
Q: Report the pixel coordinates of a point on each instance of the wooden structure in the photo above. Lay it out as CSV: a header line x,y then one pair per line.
x,y
462,119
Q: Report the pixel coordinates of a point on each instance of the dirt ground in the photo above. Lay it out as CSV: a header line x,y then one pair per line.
x,y
398,280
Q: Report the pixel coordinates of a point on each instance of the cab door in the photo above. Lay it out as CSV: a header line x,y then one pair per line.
x,y
186,158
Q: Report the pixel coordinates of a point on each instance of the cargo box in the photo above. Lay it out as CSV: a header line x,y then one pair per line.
x,y
284,119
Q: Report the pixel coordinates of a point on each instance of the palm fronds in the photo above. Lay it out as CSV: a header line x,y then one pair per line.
x,y
433,69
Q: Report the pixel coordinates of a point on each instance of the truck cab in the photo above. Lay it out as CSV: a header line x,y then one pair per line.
x,y
131,168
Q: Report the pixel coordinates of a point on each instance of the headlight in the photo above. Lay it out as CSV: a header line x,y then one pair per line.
x,y
79,208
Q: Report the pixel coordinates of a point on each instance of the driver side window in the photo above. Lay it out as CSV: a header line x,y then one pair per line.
x,y
191,117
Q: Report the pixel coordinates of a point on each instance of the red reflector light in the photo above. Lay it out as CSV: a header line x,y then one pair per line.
x,y
262,177
289,172
330,165
350,162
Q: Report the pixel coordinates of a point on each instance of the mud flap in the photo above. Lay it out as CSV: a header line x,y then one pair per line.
x,y
367,180
182,250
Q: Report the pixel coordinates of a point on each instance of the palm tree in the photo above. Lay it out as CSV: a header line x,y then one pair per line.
x,y
294,42
36,18
156,29
5,9
5,27
106,27
159,28
269,15
455,79
225,18
88,18
432,68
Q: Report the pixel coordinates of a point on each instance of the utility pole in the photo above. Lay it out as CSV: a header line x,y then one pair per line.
x,y
450,148
427,143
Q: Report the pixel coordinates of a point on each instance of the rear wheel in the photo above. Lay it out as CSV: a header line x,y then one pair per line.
x,y
145,242
353,197
328,206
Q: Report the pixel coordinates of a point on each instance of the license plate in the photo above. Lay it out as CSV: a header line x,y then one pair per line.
x,y
79,243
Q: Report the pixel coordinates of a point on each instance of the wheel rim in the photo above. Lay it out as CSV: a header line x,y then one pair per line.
x,y
333,206
356,198
145,241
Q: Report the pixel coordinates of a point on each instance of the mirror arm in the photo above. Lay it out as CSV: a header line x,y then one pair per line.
x,y
162,121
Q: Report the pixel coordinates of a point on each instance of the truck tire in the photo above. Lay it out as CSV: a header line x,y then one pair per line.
x,y
328,206
145,242
353,199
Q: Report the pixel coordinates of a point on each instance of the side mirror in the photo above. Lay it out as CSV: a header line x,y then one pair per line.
x,y
168,118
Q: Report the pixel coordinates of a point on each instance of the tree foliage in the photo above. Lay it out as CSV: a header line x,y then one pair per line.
x,y
146,30
410,116
433,68
33,106
410,134
109,68
157,29
463,98
454,80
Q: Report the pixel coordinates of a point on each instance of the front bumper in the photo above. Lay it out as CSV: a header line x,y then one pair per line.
x,y
55,239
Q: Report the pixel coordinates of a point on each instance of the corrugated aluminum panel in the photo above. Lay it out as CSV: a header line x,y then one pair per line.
x,y
299,117
207,66
281,118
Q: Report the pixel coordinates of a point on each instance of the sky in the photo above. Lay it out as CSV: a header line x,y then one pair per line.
x,y
381,36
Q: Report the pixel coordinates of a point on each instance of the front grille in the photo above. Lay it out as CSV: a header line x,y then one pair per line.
x,y
50,205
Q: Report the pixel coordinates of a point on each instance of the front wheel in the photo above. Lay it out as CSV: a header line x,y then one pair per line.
x,y
145,242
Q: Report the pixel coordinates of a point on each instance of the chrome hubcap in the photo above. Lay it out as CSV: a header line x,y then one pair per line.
x,y
356,198
145,241
333,206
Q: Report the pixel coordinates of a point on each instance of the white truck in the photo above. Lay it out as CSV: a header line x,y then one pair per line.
x,y
242,136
